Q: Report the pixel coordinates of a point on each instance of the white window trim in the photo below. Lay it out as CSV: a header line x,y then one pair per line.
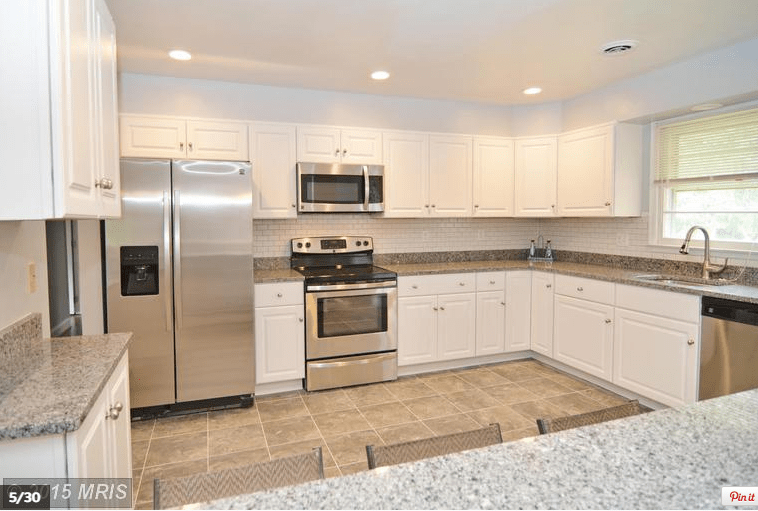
x,y
655,224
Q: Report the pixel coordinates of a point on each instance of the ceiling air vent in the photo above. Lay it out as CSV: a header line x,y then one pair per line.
x,y
619,47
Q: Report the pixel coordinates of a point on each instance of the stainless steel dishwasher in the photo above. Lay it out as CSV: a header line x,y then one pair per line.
x,y
729,347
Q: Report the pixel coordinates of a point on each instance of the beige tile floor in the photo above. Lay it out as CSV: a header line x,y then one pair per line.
x,y
343,421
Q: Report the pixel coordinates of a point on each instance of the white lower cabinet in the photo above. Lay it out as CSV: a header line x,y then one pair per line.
x,y
518,310
100,448
279,332
490,322
456,326
583,336
417,330
541,339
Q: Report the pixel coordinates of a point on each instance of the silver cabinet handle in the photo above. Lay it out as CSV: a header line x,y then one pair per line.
x,y
337,152
492,282
114,412
178,260
104,183
442,308
189,145
344,152
690,341
181,146
278,295
608,203
414,286
434,308
548,286
607,320
166,260
118,406
300,319
580,288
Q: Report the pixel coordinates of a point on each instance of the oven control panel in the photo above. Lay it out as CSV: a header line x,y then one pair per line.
x,y
332,245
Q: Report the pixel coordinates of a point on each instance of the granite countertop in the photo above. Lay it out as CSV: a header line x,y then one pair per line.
x,y
594,271
277,275
668,459
57,388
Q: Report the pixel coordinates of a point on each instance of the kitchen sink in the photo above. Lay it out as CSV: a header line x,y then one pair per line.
x,y
681,280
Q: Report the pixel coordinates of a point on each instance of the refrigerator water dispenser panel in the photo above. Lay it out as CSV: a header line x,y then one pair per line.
x,y
139,271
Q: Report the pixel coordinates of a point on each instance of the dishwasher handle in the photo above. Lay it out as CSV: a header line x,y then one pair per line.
x,y
730,310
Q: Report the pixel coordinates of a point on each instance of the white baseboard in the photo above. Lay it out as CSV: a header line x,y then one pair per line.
x,y
263,389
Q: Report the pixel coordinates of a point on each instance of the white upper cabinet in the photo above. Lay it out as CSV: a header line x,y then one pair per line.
x,y
536,168
272,155
406,174
170,137
600,171
334,145
450,170
493,177
57,138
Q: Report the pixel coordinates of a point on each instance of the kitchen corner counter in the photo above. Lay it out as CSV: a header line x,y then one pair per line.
x,y
59,387
668,459
593,271
276,275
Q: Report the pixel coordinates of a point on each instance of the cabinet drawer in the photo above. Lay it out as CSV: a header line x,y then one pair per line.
x,y
436,284
678,306
586,289
278,293
490,281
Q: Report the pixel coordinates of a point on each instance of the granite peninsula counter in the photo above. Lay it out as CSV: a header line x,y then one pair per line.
x,y
670,459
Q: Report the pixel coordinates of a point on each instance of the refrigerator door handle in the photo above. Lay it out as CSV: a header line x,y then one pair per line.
x,y
177,259
167,259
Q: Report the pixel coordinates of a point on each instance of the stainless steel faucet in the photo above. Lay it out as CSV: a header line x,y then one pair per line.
x,y
708,267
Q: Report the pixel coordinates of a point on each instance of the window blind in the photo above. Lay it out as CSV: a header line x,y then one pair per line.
x,y
721,147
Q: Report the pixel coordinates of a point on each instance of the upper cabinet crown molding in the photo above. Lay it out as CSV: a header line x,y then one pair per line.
x,y
600,171
58,139
323,144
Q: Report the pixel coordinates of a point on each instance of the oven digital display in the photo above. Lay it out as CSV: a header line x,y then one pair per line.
x,y
333,244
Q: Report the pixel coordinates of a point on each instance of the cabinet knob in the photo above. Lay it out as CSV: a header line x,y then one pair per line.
x,y
434,206
607,320
278,295
104,183
476,205
580,289
434,308
492,282
414,286
293,205
115,411
608,203
181,146
461,283
337,152
502,303
552,206
548,286
300,319
426,205
442,308
690,341
189,145
344,152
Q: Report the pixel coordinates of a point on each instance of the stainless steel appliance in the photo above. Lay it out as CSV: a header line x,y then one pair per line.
x,y
336,188
350,312
729,347
179,275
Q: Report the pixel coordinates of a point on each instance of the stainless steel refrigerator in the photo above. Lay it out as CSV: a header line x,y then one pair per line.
x,y
179,275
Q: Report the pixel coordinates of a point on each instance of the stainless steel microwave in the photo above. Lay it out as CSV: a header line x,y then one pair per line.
x,y
340,188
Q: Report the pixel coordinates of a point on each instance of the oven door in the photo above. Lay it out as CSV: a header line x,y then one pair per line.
x,y
350,319
336,188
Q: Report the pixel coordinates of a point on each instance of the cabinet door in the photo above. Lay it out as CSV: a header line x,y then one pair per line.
x,y
88,449
107,112
493,177
361,146
273,156
320,145
585,172
490,322
536,168
120,429
456,326
542,313
417,330
518,310
406,174
656,357
450,170
152,137
279,344
584,335
217,140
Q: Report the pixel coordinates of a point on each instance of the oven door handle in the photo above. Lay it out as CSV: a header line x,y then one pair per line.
x,y
349,287
366,188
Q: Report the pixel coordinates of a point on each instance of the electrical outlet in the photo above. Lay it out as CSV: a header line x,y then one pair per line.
x,y
31,277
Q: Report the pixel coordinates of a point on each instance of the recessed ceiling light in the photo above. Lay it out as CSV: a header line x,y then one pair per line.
x,y
532,90
179,55
619,47
706,106
380,75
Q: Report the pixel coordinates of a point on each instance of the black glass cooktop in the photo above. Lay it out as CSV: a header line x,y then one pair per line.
x,y
351,273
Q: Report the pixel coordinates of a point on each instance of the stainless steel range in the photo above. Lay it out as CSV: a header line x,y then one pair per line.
x,y
350,312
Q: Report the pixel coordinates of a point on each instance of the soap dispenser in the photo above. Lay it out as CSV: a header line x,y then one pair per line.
x,y
532,251
548,251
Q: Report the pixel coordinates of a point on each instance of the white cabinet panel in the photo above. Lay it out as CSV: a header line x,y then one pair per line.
x,y
490,322
361,146
406,173
535,168
317,144
657,302
152,137
518,314
490,281
584,335
278,293
273,158
217,140
494,162
417,330
656,357
542,313
586,289
279,343
456,327
450,175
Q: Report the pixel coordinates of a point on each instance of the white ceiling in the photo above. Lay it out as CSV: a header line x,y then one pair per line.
x,y
467,50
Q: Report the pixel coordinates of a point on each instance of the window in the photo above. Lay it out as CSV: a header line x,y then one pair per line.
x,y
705,172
